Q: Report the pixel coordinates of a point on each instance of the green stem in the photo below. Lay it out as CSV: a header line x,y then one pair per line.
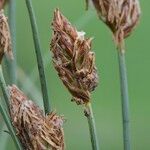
x,y
125,100
92,127
10,128
39,56
11,64
4,113
4,88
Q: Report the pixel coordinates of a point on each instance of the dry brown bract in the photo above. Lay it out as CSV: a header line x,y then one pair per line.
x,y
35,131
5,40
121,16
73,59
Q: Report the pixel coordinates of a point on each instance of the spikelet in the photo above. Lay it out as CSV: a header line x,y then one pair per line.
x,y
35,131
121,16
73,59
5,40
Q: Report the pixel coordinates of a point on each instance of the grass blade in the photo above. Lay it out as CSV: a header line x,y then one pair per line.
x,y
11,64
4,88
9,126
39,56
125,101
92,127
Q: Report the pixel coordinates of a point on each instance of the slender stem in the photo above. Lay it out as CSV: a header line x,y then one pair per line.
x,y
39,56
4,88
11,64
92,127
4,137
4,113
10,128
125,100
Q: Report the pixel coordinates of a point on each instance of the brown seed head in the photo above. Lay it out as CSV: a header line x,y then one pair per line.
x,y
73,59
5,40
121,16
35,131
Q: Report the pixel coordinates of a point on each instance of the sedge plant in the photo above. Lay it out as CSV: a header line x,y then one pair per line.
x,y
5,48
121,17
75,63
28,126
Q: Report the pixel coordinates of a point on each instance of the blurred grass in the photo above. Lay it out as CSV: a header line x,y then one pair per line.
x,y
106,98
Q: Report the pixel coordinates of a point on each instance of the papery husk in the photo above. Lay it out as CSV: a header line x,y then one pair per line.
x,y
5,39
73,59
121,16
35,131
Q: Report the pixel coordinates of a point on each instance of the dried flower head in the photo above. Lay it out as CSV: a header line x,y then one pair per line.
x,y
73,59
121,16
35,131
5,40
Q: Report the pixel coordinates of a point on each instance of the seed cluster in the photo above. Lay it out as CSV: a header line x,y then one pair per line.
x,y
5,40
73,59
35,131
121,16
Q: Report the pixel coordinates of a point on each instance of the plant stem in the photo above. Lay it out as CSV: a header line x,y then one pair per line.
x,y
125,100
11,64
39,56
4,113
92,127
10,128
4,88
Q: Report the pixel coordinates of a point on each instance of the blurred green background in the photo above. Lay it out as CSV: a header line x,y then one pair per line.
x,y
106,99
